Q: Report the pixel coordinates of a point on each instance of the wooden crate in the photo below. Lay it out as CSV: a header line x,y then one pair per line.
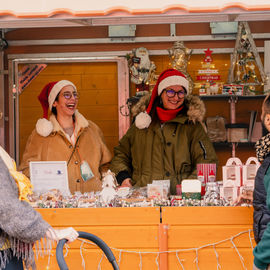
x,y
195,227
132,229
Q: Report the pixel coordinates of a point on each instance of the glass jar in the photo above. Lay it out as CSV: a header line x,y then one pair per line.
x,y
212,195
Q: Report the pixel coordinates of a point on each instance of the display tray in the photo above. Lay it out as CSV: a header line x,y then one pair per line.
x,y
192,236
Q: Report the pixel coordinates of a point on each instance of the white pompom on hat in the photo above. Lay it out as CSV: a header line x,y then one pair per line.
x,y
143,120
46,98
167,78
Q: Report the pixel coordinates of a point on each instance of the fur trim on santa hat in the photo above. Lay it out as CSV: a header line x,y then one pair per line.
x,y
173,80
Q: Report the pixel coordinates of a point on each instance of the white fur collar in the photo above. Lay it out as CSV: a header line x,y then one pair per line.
x,y
45,127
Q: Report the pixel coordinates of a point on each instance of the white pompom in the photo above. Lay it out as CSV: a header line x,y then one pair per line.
x,y
44,127
143,120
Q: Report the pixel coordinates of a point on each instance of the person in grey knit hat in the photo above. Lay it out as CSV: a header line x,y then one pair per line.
x,y
20,225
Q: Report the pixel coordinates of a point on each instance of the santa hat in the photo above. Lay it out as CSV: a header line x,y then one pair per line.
x,y
167,78
46,98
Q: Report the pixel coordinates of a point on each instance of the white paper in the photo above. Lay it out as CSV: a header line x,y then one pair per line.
x,y
47,175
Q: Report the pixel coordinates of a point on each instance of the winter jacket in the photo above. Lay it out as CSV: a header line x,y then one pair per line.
x,y
89,147
261,214
168,152
19,222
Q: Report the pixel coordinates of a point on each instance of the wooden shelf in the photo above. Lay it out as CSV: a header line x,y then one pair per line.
x,y
213,97
226,144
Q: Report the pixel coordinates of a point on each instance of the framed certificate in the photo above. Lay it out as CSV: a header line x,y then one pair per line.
x,y
47,175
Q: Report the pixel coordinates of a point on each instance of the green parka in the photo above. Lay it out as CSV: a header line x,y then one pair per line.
x,y
168,152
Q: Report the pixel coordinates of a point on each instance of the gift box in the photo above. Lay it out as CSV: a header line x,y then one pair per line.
x,y
233,89
250,170
159,189
191,189
237,132
229,191
206,172
232,171
155,191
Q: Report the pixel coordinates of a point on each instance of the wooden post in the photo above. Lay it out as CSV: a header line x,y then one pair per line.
x,y
163,246
233,101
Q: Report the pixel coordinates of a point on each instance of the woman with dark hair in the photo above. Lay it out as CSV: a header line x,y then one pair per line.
x,y
67,136
168,140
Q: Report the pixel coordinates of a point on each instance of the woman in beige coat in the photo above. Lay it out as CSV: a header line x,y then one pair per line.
x,y
67,136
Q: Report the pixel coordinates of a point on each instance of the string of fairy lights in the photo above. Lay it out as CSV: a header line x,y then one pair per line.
x,y
179,253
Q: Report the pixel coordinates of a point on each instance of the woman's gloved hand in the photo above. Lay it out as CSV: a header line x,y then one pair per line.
x,y
57,234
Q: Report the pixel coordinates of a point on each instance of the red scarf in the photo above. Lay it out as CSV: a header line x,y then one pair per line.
x,y
166,115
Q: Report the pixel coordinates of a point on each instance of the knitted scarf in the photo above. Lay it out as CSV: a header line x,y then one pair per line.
x,y
166,115
263,147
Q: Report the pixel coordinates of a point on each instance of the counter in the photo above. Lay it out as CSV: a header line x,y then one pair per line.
x,y
158,237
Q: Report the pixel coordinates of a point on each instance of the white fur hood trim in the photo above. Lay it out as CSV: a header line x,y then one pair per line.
x,y
45,127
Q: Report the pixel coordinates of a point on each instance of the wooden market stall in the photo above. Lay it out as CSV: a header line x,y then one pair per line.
x,y
73,39
158,237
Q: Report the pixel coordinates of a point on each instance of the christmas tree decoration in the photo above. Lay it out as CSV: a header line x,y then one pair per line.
x,y
244,61
179,56
208,76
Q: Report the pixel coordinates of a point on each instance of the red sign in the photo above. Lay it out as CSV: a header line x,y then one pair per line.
x,y
208,78
208,57
29,73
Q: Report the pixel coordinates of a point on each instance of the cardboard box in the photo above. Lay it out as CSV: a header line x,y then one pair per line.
x,y
229,191
232,172
232,89
237,132
250,171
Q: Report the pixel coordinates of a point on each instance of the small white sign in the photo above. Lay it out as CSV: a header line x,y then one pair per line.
x,y
47,175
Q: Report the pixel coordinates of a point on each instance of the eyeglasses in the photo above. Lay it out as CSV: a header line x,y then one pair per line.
x,y
68,95
171,93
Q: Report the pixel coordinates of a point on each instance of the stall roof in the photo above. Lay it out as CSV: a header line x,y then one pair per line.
x,y
62,13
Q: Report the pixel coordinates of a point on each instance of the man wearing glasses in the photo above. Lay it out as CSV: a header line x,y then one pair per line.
x,y
167,141
67,136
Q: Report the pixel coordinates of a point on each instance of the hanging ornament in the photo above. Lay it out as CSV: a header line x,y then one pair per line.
x,y
179,56
244,37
